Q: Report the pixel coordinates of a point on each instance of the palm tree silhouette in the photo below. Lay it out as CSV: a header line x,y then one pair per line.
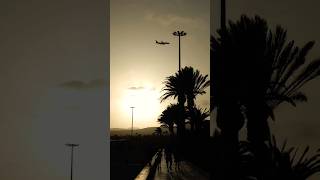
x,y
195,85
288,165
185,85
199,116
254,69
169,117
175,87
283,162
158,131
258,69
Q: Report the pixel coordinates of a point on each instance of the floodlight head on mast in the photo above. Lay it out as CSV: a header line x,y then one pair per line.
x,y
179,33
72,145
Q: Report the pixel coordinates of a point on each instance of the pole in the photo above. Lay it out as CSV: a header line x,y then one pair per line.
x,y
179,54
131,120
71,168
179,34
223,14
71,163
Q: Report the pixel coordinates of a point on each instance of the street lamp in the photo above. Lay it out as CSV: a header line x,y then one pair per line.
x,y
131,120
179,34
72,146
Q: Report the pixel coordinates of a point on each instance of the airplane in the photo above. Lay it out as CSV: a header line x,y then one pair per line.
x,y
162,43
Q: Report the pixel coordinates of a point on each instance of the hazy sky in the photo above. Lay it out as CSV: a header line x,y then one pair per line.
x,y
139,66
54,81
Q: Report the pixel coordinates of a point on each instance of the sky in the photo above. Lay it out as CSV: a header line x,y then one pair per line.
x,y
54,77
138,66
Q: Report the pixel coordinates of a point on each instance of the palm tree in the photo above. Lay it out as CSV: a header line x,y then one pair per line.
x,y
185,85
256,68
174,87
195,85
158,131
169,117
199,116
285,163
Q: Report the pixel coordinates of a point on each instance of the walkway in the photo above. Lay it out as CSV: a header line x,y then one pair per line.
x,y
187,171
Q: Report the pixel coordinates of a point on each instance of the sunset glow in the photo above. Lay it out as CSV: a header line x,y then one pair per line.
x,y
145,102
138,65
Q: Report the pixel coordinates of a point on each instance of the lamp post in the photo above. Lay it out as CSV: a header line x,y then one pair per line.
x,y
72,146
223,15
131,120
179,34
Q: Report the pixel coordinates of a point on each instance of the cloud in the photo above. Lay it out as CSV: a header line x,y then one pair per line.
x,y
142,88
136,88
81,85
173,19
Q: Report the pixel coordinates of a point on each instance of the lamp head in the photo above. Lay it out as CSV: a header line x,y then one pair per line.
x,y
72,145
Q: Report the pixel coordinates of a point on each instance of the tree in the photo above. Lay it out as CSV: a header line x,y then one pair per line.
x,y
286,164
283,162
158,131
195,85
169,117
255,69
259,70
185,85
174,86
199,116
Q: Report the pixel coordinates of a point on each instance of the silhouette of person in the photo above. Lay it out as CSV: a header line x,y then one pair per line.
x,y
158,160
177,160
168,155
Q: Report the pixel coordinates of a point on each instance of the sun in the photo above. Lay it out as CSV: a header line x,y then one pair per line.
x,y
146,103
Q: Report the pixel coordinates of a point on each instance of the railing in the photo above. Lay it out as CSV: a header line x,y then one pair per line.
x,y
149,170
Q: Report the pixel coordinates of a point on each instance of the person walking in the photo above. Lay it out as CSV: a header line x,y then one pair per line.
x,y
177,160
168,155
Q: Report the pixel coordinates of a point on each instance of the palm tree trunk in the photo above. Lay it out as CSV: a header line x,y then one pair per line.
x,y
192,120
181,120
190,105
258,133
230,121
258,130
171,130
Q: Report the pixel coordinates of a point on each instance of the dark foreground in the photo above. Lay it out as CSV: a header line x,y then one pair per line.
x,y
129,155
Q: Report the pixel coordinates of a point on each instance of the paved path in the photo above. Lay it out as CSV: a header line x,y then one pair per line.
x,y
187,171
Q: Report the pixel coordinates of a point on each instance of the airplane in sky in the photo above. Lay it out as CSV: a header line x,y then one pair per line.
x,y
162,43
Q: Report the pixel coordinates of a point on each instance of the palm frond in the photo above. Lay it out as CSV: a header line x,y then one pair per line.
x,y
289,166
